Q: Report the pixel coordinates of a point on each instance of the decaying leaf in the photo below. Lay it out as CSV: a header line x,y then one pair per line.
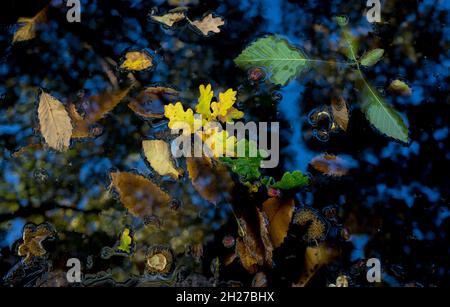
x,y
315,258
96,108
264,226
137,60
169,19
158,155
125,241
210,179
26,149
249,248
372,57
330,165
27,30
259,280
33,236
208,24
160,260
340,113
139,195
150,102
315,227
279,212
54,121
400,87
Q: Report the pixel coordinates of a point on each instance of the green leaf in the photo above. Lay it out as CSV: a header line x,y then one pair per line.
x,y
125,241
291,181
341,20
400,87
382,115
372,57
246,167
283,61
351,45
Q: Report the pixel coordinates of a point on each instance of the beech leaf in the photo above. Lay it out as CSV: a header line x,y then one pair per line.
x,y
27,30
279,212
54,121
158,155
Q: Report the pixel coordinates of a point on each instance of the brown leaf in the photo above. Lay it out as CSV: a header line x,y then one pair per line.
x,y
158,155
33,237
249,247
27,30
208,24
330,165
259,280
150,102
97,107
265,237
279,212
210,179
169,19
340,112
315,258
54,121
139,195
26,149
137,60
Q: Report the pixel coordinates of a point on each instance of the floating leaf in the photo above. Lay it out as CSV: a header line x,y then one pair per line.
x,y
279,212
54,121
330,165
169,19
314,225
27,30
204,101
33,237
246,167
137,60
400,87
210,179
224,110
341,20
372,57
315,258
249,248
125,241
180,119
150,102
382,115
274,53
157,153
208,24
96,108
139,195
351,44
26,149
264,232
291,181
340,113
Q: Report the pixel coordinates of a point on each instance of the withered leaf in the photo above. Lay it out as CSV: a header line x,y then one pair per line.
x,y
279,212
265,237
26,149
150,102
340,112
158,155
208,24
330,165
33,237
315,258
96,108
169,19
27,30
210,179
137,60
54,121
139,195
249,248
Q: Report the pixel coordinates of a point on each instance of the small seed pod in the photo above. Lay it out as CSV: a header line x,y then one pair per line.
x,y
159,260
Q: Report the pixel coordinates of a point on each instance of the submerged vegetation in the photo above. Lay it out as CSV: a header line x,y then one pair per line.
x,y
89,172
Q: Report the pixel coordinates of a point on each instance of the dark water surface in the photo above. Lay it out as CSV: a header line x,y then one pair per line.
x,y
394,202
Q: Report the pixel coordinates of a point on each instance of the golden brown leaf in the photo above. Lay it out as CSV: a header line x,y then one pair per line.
x,y
208,24
54,121
169,19
158,155
259,280
315,258
97,107
265,237
139,195
249,247
330,165
279,212
150,102
137,60
33,237
317,226
27,30
340,112
210,179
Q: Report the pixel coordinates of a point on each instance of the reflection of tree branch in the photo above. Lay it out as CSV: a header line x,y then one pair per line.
x,y
42,209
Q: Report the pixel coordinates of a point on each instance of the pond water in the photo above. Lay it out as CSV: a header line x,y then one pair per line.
x,y
392,203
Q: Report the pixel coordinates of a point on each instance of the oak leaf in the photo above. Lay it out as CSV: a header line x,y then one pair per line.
x,y
27,30
137,60
169,19
223,109
208,24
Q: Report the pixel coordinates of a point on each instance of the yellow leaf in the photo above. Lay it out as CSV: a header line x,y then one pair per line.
x,y
279,212
220,143
139,195
315,258
137,60
208,24
28,29
204,101
125,241
157,153
180,119
54,122
32,237
169,19
224,110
